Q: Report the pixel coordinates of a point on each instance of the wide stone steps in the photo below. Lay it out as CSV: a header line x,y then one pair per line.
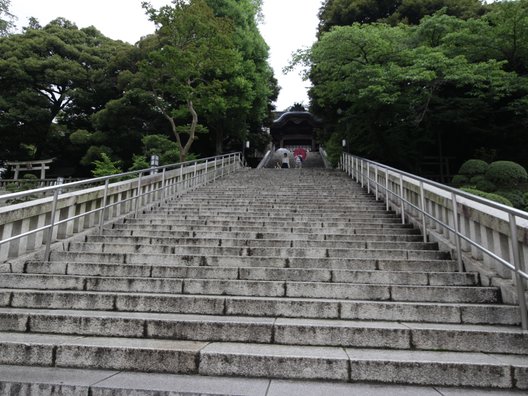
x,y
295,275
285,331
362,229
239,239
316,308
255,273
262,360
245,287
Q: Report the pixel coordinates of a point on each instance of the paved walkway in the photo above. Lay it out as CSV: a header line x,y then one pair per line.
x,y
16,380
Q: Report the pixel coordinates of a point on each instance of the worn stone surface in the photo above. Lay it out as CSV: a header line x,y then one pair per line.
x,y
273,361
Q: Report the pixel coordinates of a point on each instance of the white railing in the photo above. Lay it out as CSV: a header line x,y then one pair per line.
x,y
478,229
75,207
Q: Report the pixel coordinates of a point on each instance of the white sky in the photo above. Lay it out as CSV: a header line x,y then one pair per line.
x,y
288,26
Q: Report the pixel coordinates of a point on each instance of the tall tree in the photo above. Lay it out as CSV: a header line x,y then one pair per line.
x,y
347,12
53,76
6,18
186,72
251,88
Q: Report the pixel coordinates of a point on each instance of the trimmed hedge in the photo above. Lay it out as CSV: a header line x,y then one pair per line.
x,y
506,173
459,180
490,196
473,167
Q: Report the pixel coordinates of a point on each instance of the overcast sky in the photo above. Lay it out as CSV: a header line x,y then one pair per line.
x,y
288,25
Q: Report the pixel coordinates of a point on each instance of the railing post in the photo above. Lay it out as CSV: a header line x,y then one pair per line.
x,y
377,184
194,181
362,183
387,195
519,282
103,210
402,203
49,235
222,174
138,194
206,168
422,207
368,177
163,192
457,233
215,168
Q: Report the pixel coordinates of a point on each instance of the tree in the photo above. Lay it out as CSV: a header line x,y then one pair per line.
x,y
347,12
395,98
186,70
53,79
251,88
6,18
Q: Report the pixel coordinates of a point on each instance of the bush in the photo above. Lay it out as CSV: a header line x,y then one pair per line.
x,y
516,197
475,179
506,173
485,185
106,167
473,167
459,180
492,197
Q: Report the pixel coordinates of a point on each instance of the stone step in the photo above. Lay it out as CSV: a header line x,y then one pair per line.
x,y
257,247
262,360
287,331
230,213
181,252
391,229
376,365
333,290
248,217
316,226
188,236
60,258
243,273
408,311
39,381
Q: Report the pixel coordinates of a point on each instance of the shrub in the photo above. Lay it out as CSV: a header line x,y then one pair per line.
x,y
486,186
459,180
492,197
473,167
106,167
516,197
506,173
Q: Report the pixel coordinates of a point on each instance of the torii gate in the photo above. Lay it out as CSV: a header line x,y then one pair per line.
x,y
41,165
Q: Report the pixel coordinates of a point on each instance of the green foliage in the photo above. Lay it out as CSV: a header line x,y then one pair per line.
x,y
28,182
506,173
440,86
485,185
106,167
139,162
459,180
333,149
516,197
6,18
95,152
473,167
492,197
81,136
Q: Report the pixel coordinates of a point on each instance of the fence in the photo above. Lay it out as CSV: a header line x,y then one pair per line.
x,y
28,226
477,228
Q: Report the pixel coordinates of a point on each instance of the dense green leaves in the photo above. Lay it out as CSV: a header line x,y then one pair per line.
x,y
202,80
451,86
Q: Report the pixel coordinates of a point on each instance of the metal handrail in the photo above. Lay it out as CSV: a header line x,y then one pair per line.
x,y
360,169
191,183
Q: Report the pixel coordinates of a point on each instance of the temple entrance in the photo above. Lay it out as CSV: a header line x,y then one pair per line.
x,y
296,129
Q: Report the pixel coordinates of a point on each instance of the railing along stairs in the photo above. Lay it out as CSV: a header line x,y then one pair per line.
x,y
37,218
486,236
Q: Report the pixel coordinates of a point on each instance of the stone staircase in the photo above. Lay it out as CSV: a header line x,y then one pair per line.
x,y
295,274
